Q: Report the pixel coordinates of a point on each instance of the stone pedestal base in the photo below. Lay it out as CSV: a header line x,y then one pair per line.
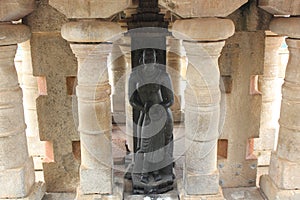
x,y
172,195
117,192
272,192
37,193
184,196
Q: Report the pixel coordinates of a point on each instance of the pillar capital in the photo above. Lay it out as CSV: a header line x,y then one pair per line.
x,y
85,31
14,10
13,34
203,29
289,26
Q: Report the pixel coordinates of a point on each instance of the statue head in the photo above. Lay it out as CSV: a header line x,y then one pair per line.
x,y
149,56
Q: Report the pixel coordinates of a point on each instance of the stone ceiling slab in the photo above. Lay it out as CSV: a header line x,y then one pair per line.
x,y
15,10
202,8
281,7
89,8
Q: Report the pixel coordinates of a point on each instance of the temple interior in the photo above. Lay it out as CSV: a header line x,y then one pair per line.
x,y
67,126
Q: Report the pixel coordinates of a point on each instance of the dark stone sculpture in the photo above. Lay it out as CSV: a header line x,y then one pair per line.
x,y
150,92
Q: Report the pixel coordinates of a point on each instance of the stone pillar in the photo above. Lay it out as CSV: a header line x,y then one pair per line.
x,y
283,180
91,45
126,49
118,71
174,62
30,94
271,99
17,179
203,45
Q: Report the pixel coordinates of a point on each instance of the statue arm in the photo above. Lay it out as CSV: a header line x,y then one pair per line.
x,y
167,92
133,95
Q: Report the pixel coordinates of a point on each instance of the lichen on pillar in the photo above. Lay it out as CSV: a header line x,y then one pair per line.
x,y
203,45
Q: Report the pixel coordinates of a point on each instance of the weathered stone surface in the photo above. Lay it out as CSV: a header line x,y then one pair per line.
x,y
272,192
13,34
17,182
91,31
97,180
202,8
203,29
249,17
44,18
15,10
280,7
53,59
90,8
286,26
284,173
242,56
203,184
247,193
94,116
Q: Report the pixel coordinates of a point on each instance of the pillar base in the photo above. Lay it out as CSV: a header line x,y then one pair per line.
x,y
184,196
37,193
272,192
117,193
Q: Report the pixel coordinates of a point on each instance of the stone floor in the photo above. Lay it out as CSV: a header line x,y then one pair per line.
x,y
119,152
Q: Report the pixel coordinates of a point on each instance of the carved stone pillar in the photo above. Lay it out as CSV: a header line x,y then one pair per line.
x,y
271,100
174,68
118,69
283,180
17,179
30,93
126,49
203,45
92,46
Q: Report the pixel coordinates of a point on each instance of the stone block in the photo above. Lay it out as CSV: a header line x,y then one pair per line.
x,y
13,33
44,18
285,174
280,7
11,147
240,58
49,53
289,144
91,31
96,181
286,26
201,157
184,196
196,8
272,192
201,184
15,10
90,8
17,182
37,193
203,29
62,176
250,17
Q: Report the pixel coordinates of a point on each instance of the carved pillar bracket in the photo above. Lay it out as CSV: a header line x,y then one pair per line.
x,y
203,45
91,42
17,179
283,180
